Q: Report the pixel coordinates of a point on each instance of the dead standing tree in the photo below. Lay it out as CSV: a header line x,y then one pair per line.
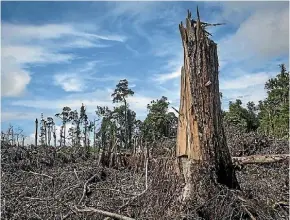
x,y
36,129
201,142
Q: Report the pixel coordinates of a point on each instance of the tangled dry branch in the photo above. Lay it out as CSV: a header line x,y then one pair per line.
x,y
46,184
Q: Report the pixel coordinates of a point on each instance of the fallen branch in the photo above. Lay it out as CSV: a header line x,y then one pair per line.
x,y
249,213
76,175
40,174
71,211
105,213
146,187
41,199
260,159
245,208
85,186
279,204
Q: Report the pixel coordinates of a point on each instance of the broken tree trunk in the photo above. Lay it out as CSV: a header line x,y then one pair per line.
x,y
201,142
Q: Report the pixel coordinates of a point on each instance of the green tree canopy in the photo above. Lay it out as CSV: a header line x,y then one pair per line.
x,y
245,118
122,91
159,121
274,110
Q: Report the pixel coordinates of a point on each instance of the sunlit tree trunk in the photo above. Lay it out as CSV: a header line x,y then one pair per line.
x,y
201,141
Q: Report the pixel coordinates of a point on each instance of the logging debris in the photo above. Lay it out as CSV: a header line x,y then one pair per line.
x,y
28,195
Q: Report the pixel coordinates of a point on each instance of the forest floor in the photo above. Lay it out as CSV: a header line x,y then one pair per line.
x,y
40,183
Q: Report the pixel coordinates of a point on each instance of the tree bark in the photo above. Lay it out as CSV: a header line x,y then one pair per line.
x,y
94,133
49,134
36,129
78,133
201,142
64,128
85,135
45,133
126,133
12,136
54,136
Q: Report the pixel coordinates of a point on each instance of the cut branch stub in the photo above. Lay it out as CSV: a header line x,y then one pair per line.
x,y
200,131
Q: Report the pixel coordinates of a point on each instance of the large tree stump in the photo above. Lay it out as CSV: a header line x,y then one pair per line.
x,y
201,142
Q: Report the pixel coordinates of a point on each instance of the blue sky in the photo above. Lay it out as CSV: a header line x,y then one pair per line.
x,y
57,54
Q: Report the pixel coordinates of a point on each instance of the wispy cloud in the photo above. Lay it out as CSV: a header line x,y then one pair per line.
x,y
75,80
134,51
245,81
172,67
51,31
138,102
7,116
161,78
69,82
86,76
246,86
83,43
251,93
45,44
33,54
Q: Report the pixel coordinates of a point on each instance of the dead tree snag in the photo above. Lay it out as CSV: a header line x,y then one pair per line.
x,y
201,142
36,129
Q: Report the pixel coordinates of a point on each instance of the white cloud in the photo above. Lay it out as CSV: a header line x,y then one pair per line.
x,y
134,51
106,37
252,93
18,32
235,12
82,43
89,67
33,54
14,79
163,47
17,115
173,64
77,79
12,32
161,78
262,36
60,103
30,44
139,14
141,10
69,82
138,102
245,86
30,139
245,81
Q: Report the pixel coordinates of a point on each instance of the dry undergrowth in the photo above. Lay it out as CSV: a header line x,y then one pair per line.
x,y
44,184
